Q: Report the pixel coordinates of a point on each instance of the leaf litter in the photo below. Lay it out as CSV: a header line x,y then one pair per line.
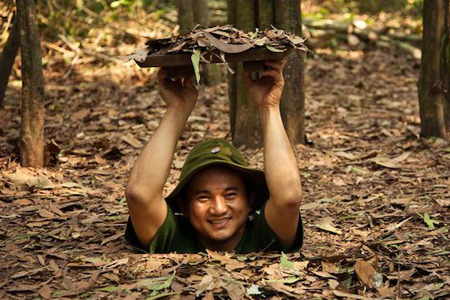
x,y
365,173
221,39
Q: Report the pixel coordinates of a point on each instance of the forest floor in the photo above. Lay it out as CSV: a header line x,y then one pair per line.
x,y
376,196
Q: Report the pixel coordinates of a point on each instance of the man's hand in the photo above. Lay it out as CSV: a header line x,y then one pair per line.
x,y
266,91
178,93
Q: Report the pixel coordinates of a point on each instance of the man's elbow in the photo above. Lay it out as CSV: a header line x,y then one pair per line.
x,y
133,193
290,197
294,200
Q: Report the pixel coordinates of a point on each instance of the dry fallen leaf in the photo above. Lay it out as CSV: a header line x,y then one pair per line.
x,y
326,224
111,238
45,292
385,291
365,272
80,115
131,140
46,214
385,162
23,177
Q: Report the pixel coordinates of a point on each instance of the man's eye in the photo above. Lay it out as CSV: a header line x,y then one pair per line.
x,y
203,198
231,195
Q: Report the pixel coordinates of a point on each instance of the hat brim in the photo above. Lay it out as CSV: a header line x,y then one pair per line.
x,y
256,178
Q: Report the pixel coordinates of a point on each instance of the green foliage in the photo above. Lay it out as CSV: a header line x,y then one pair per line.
x,y
118,3
285,262
108,289
273,49
428,221
82,19
195,58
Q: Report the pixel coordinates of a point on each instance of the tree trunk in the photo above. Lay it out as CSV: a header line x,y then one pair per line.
x,y
7,59
283,14
212,74
232,78
191,13
31,140
266,14
201,12
432,80
446,65
288,17
186,15
244,118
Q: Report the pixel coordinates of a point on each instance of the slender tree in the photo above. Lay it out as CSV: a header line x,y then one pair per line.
x,y
201,12
191,13
31,140
288,17
434,82
244,121
244,118
7,59
446,63
186,15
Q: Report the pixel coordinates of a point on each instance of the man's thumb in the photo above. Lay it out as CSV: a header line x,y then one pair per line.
x,y
188,82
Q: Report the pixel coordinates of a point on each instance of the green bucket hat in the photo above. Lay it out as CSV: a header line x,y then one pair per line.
x,y
221,153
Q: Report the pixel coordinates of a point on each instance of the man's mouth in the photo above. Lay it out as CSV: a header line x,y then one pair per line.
x,y
219,223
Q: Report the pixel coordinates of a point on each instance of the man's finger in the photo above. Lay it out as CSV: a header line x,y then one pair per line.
x,y
275,74
275,64
161,75
247,78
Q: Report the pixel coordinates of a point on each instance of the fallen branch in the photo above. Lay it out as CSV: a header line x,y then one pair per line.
x,y
320,33
80,51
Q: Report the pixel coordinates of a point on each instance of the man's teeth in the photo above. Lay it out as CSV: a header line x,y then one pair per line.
x,y
218,221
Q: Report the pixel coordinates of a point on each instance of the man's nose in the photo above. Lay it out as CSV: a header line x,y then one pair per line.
x,y
219,206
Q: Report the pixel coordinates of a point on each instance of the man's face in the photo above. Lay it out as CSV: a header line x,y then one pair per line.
x,y
218,207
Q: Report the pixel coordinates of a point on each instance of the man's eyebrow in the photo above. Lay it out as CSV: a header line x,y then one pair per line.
x,y
231,188
201,192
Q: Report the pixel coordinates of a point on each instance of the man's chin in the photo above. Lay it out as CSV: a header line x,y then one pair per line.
x,y
223,237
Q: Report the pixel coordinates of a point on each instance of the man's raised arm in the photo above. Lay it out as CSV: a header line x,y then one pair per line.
x,y
280,164
144,191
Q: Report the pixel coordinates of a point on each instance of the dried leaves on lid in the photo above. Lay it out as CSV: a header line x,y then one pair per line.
x,y
221,39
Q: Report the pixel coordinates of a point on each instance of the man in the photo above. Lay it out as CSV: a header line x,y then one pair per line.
x,y
225,205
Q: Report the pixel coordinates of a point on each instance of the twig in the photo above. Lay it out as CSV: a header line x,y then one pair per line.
x,y
398,282
57,48
72,63
89,52
8,22
396,226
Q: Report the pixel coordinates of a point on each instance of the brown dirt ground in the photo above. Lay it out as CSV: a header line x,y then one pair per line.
x,y
370,184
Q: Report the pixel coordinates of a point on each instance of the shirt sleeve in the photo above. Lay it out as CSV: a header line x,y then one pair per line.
x,y
267,240
162,241
174,236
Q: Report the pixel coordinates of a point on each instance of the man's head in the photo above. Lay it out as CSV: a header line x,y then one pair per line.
x,y
217,202
216,168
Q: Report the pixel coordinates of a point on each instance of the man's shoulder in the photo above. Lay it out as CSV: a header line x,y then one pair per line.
x,y
176,234
259,236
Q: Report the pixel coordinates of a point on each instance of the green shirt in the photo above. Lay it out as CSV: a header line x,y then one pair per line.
x,y
176,234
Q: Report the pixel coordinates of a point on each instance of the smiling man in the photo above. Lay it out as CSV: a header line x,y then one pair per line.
x,y
220,203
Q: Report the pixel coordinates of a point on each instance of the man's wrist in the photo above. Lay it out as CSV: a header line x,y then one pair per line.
x,y
178,110
268,110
